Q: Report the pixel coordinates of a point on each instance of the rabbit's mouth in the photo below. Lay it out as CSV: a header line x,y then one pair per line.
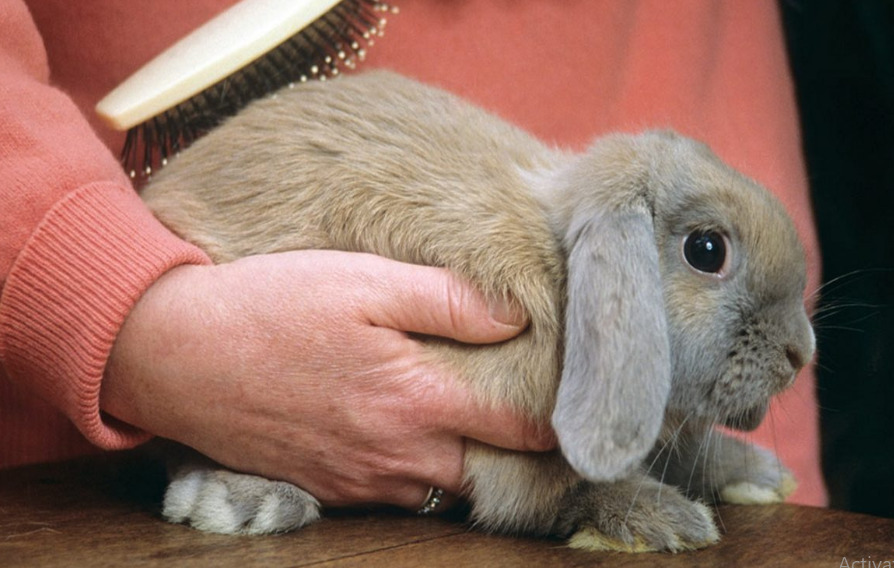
x,y
747,419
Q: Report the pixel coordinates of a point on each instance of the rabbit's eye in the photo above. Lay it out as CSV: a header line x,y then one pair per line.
x,y
705,251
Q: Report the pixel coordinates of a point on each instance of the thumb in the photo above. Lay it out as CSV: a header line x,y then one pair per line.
x,y
433,301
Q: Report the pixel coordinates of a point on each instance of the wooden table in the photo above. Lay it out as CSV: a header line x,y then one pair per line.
x,y
103,511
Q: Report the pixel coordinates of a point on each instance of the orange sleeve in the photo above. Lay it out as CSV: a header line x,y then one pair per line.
x,y
77,248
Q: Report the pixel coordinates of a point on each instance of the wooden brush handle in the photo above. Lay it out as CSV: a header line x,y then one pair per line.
x,y
214,51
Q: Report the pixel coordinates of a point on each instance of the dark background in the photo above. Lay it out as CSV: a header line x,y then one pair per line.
x,y
842,57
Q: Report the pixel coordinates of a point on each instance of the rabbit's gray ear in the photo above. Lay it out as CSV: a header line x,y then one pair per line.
x,y
617,371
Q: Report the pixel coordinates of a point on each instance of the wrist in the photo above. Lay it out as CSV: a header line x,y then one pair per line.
x,y
69,291
134,390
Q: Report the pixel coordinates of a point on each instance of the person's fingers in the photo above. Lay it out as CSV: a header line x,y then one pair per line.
x,y
433,301
460,412
506,428
468,419
414,496
444,501
436,460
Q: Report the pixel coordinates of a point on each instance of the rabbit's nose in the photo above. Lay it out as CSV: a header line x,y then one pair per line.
x,y
801,344
795,357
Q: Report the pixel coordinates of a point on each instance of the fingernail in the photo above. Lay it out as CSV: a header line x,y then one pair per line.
x,y
508,312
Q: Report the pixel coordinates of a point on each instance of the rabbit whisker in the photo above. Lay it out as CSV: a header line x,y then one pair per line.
x,y
705,440
671,445
715,447
841,279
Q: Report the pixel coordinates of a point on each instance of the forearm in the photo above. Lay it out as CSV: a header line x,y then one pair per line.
x,y
78,247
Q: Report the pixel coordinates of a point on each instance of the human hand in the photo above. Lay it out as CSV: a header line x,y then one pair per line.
x,y
297,366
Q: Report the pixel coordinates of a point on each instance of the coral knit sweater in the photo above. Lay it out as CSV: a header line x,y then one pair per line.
x,y
77,247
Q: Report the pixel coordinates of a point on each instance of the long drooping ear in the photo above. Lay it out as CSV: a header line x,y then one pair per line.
x,y
617,371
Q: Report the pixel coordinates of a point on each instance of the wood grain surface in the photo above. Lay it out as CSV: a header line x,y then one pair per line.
x,y
103,511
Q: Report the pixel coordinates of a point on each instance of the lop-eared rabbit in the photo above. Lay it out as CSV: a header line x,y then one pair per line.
x,y
664,289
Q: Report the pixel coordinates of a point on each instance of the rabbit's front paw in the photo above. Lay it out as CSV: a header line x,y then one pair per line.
x,y
749,493
751,475
637,514
221,501
760,484
715,467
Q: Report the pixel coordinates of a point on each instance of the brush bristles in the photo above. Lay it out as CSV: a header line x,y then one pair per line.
x,y
338,39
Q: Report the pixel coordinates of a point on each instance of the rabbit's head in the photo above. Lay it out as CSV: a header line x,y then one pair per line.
x,y
685,297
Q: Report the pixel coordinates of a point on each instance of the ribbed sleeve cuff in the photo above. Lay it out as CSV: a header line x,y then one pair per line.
x,y
69,292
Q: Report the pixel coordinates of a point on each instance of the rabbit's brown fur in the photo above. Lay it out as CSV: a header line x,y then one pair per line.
x,y
649,348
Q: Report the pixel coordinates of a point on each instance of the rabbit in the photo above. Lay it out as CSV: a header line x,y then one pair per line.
x,y
664,291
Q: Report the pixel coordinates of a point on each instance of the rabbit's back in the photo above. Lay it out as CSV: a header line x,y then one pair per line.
x,y
381,164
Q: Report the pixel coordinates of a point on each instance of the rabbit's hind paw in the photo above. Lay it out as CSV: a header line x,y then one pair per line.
x,y
222,501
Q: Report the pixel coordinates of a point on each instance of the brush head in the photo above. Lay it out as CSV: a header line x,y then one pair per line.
x,y
246,53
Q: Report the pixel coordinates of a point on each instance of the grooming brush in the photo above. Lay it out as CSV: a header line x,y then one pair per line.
x,y
248,51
